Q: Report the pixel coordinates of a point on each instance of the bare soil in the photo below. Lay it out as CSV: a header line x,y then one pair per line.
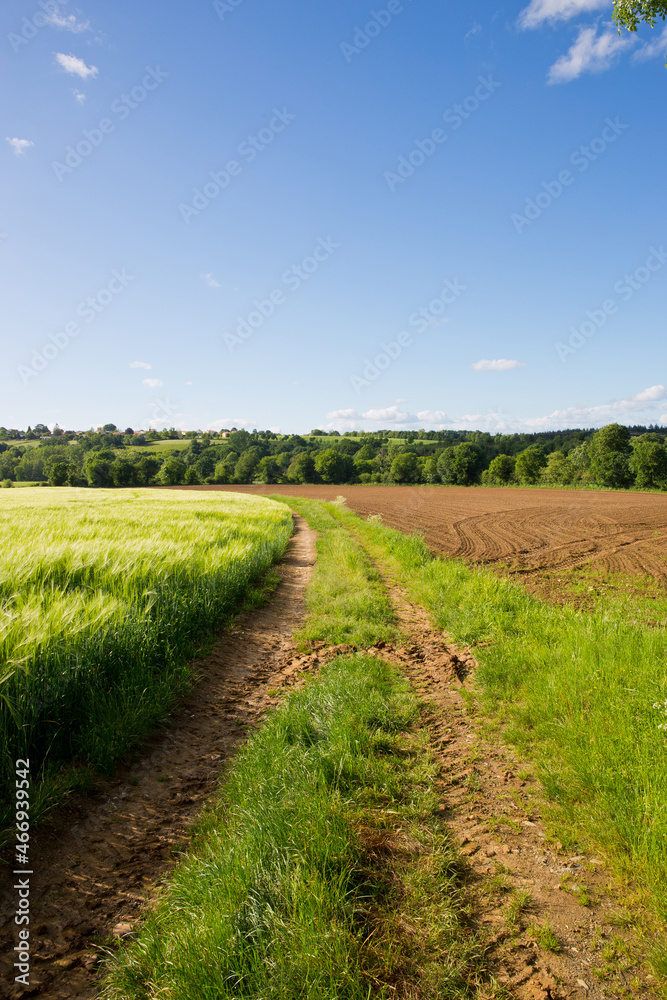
x,y
539,535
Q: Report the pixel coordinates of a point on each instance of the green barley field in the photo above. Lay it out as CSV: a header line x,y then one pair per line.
x,y
104,596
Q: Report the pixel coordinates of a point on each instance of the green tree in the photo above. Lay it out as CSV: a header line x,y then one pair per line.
x,y
124,473
267,471
630,13
224,469
501,469
148,467
331,465
192,477
558,471
59,474
529,465
245,468
405,468
648,462
98,469
302,469
172,472
430,470
461,465
610,456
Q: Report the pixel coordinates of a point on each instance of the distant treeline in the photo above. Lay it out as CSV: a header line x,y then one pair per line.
x,y
614,456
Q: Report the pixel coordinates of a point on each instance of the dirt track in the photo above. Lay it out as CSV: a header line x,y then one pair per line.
x,y
533,532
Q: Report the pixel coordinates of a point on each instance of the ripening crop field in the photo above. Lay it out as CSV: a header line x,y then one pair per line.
x,y
103,597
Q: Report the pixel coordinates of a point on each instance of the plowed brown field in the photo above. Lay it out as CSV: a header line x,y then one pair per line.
x,y
536,533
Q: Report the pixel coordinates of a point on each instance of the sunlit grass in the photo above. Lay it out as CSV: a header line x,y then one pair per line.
x,y
103,596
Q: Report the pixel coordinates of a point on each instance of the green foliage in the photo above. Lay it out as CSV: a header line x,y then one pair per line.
x,y
60,473
558,470
302,469
245,468
501,469
648,462
529,465
172,472
104,596
405,468
610,456
462,465
332,466
630,13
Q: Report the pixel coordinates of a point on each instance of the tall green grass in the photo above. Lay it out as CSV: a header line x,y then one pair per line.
x,y
103,597
576,689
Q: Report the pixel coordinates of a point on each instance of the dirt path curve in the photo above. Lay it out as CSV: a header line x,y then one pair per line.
x,y
493,808
102,855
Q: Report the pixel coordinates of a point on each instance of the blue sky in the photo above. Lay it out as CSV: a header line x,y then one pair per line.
x,y
336,215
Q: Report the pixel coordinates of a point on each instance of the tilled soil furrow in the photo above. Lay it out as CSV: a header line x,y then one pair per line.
x,y
101,857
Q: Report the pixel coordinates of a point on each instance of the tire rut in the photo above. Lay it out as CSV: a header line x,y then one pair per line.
x,y
494,811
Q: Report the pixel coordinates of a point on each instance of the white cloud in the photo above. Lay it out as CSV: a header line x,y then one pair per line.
x,y
656,47
75,66
644,407
210,280
140,364
78,96
651,394
539,11
20,145
391,414
590,53
497,365
475,30
69,23
152,383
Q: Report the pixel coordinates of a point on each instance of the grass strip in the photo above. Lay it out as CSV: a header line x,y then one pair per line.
x,y
346,598
583,694
289,891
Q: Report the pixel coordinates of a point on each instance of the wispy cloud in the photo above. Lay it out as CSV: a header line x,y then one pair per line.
x,y
67,23
152,383
210,280
79,97
539,11
647,406
75,66
590,53
140,364
497,365
650,50
475,30
20,145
